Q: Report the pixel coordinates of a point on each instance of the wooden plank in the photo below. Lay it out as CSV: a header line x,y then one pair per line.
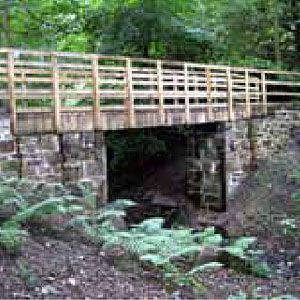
x,y
11,92
284,83
129,100
247,95
283,94
264,93
208,91
55,93
160,92
96,94
26,63
186,92
229,95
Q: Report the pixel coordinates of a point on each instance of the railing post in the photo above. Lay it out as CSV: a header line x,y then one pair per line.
x,y
186,94
229,95
160,89
11,91
264,93
247,95
129,101
208,93
96,93
55,93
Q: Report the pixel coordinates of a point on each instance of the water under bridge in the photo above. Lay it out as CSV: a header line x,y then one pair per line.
x,y
55,108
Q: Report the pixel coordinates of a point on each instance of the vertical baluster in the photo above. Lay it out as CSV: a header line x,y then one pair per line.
x,y
264,93
55,93
208,93
229,95
160,91
129,101
11,91
186,94
247,95
96,93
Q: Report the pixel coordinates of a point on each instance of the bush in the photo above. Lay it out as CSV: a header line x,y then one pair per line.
x,y
23,202
174,252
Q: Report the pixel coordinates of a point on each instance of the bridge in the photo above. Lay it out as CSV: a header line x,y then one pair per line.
x,y
53,92
56,109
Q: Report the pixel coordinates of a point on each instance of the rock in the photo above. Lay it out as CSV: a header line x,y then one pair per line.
x,y
72,281
49,289
208,254
119,223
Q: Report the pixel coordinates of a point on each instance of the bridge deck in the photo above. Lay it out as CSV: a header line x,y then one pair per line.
x,y
59,92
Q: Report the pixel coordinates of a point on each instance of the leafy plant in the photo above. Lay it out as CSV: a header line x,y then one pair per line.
x,y
173,251
240,246
289,225
23,202
11,237
29,276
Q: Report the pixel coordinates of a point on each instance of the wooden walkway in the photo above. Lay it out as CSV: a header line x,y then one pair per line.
x,y
62,92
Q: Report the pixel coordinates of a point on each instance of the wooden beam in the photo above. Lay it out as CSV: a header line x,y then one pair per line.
x,y
96,94
264,93
247,94
129,100
187,98
209,93
55,93
160,92
11,92
229,95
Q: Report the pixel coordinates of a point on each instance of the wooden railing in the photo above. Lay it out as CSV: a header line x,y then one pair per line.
x,y
55,92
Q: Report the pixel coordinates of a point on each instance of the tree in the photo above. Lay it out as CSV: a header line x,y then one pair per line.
x,y
149,28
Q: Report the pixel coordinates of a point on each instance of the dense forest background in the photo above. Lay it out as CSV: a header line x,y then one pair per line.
x,y
263,33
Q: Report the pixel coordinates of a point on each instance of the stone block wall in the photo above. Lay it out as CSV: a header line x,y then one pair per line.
x,y
205,167
65,158
250,141
220,156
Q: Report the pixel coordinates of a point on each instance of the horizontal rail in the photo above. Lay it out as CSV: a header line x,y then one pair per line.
x,y
46,89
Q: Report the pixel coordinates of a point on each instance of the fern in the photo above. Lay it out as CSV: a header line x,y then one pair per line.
x,y
23,201
240,246
11,237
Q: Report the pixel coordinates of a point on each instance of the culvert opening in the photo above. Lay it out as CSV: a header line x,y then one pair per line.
x,y
153,167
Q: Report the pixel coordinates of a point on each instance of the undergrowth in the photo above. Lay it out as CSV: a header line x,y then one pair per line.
x,y
23,202
290,225
175,252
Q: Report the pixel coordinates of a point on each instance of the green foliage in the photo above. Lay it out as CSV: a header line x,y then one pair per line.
x,y
174,251
210,30
290,225
29,277
23,202
240,246
255,295
165,29
11,237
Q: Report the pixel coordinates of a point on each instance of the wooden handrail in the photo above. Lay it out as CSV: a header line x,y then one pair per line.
x,y
180,92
